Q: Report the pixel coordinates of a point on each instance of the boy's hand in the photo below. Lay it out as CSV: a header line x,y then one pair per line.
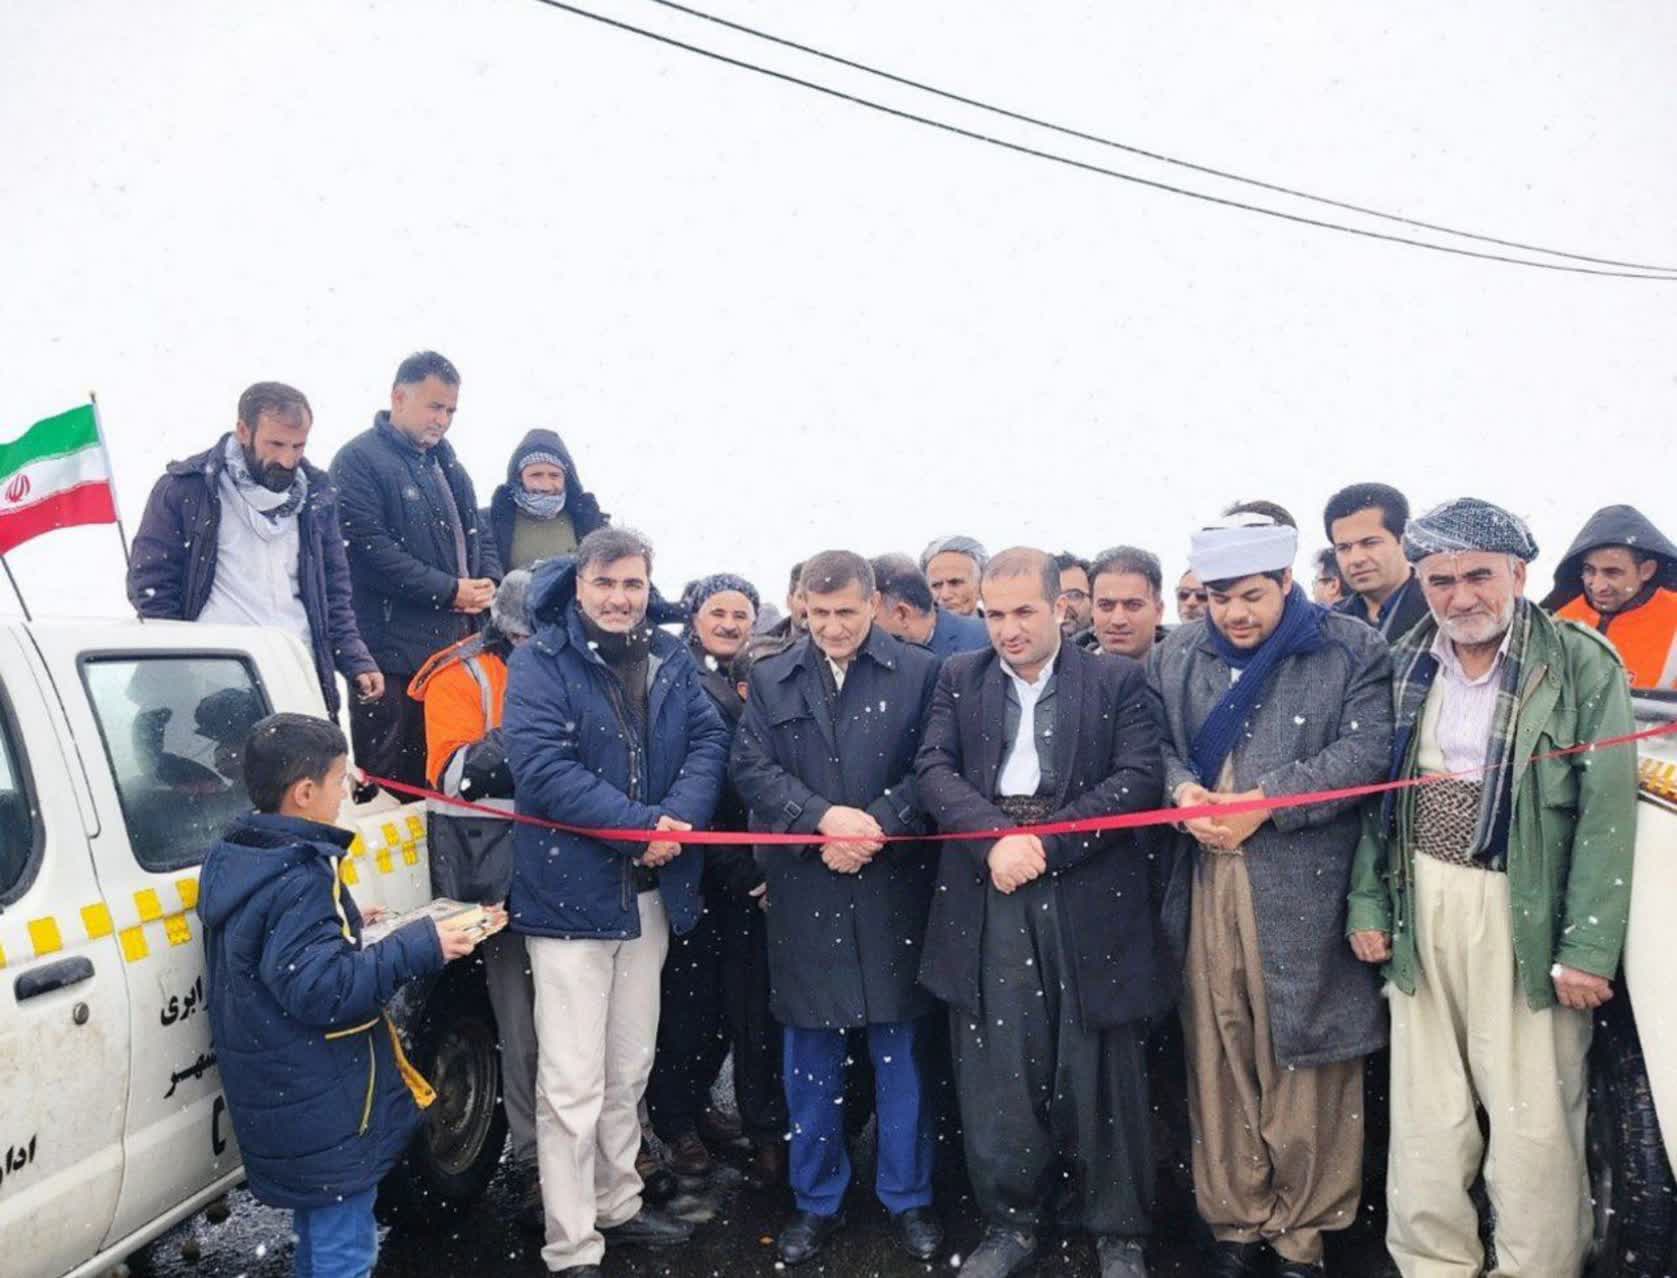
x,y
373,913
455,938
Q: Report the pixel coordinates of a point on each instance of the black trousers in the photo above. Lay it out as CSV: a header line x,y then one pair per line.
x,y
1040,1095
715,995
389,734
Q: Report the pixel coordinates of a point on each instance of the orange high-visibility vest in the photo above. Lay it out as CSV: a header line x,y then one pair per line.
x,y
1646,637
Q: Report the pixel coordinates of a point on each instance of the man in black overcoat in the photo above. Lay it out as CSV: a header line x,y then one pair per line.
x,y
1045,948
826,746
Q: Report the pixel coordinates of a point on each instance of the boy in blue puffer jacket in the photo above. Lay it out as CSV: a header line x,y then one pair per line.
x,y
316,1083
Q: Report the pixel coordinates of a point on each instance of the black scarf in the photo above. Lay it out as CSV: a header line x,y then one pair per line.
x,y
627,656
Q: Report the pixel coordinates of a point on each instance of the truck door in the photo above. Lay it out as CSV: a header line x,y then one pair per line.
x,y
164,723
64,1050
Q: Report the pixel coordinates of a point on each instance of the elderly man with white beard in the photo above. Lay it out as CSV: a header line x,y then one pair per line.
x,y
1496,895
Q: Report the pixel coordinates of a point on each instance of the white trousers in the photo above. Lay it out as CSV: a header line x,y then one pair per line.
x,y
596,1027
1468,1039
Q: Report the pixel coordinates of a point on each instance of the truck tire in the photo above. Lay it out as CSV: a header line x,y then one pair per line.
x,y
458,1147
1635,1200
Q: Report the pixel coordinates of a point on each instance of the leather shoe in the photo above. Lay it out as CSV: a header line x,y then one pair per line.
x,y
689,1157
1121,1257
1300,1269
805,1235
919,1232
648,1227
767,1167
1235,1260
1002,1253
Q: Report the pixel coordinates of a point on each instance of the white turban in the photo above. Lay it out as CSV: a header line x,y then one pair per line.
x,y
1242,546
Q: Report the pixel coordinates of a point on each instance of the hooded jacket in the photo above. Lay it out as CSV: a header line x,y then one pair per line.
x,y
175,552
501,514
1645,633
295,1007
577,758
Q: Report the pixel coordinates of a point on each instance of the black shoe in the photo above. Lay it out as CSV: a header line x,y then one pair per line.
x,y
919,1232
1235,1260
1121,1257
648,1227
1002,1253
805,1235
689,1159
1299,1269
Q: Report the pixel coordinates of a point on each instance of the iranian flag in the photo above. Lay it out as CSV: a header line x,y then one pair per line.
x,y
56,475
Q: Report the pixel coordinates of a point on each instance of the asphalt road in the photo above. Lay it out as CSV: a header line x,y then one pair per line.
x,y
735,1238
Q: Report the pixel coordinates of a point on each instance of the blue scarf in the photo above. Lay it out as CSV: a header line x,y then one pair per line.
x,y
1300,630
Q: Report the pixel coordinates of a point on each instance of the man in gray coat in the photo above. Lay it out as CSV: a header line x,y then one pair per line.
x,y
1271,696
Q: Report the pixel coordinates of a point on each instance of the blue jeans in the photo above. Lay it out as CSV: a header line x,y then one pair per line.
x,y
339,1241
819,1164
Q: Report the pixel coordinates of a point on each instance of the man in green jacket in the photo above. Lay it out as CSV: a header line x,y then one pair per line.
x,y
1496,896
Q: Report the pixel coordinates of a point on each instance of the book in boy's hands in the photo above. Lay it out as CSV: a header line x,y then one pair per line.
x,y
481,921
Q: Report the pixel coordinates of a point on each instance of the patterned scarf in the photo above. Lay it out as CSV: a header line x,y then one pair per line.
x,y
258,496
539,505
1300,630
1417,670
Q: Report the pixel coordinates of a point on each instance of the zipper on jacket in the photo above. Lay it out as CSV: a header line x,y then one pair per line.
x,y
372,1069
618,696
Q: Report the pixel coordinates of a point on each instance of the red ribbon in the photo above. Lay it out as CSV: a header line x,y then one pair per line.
x,y
1085,825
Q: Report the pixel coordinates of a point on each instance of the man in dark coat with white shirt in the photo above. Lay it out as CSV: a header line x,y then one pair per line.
x,y
1045,948
826,746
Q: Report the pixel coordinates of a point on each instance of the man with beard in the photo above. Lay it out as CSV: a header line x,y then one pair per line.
x,y
246,533
422,573
1273,696
1074,606
607,728
1365,523
1497,897
1620,577
715,981
826,746
1044,948
1128,602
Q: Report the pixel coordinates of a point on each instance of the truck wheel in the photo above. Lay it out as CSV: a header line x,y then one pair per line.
x,y
1630,1180
458,1146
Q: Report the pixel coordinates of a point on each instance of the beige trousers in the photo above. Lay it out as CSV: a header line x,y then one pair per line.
x,y
596,1026
1277,1153
1468,1039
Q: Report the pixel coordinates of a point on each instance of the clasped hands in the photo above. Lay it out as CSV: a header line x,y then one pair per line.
x,y
1220,834
657,854
859,839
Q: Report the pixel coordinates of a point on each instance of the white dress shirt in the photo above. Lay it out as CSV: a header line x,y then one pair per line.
x,y
1021,772
1456,722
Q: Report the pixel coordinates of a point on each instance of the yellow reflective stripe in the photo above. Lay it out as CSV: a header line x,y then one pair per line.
x,y
410,854
416,827
391,835
356,846
176,928
148,904
348,873
44,936
383,861
2,956
96,918
188,888
134,947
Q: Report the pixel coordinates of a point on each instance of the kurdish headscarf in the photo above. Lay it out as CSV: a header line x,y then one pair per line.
x,y
1468,524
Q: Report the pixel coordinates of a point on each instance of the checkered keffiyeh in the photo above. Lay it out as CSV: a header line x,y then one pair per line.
x,y
1468,524
1416,670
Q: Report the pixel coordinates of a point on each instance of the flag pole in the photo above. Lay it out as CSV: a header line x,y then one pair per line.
x,y
22,602
121,532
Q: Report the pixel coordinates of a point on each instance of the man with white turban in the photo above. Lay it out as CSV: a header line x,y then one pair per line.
x,y
1496,896
1273,696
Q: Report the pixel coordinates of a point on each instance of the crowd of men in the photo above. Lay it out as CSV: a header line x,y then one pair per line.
x,y
1001,981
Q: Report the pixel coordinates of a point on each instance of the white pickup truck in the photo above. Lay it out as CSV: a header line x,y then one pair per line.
x,y
114,779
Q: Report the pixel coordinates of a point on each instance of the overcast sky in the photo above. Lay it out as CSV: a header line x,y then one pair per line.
x,y
768,322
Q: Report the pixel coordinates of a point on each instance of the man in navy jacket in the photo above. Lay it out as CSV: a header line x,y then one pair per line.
x,y
247,532
607,727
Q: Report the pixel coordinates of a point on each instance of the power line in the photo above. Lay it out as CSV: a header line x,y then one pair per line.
x,y
1136,179
1141,151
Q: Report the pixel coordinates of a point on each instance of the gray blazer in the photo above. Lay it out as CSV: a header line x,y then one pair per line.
x,y
1325,722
